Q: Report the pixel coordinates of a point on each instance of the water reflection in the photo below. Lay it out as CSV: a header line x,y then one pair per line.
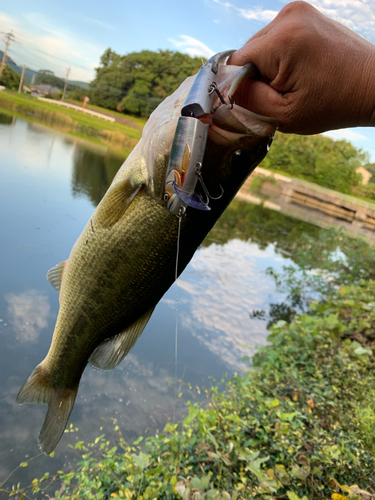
x,y
6,119
49,184
28,313
93,173
260,226
222,285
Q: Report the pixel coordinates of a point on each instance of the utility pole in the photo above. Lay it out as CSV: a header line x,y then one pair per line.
x,y
21,80
66,83
8,38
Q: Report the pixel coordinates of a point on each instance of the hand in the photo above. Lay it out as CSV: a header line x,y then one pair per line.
x,y
316,74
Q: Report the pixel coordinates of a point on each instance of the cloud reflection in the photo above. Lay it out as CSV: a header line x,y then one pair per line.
x,y
28,313
223,284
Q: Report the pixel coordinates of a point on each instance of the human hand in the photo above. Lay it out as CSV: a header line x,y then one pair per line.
x,y
316,74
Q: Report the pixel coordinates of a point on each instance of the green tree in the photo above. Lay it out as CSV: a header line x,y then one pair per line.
x,y
10,78
317,159
371,168
137,82
47,77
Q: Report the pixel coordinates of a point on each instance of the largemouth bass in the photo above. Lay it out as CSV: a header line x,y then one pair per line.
x,y
124,260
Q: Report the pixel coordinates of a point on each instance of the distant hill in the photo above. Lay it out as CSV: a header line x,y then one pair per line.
x,y
29,73
83,85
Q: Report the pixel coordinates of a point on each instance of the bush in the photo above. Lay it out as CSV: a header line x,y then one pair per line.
x,y
317,159
10,78
299,425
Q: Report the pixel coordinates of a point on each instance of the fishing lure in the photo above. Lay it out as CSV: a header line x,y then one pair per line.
x,y
189,143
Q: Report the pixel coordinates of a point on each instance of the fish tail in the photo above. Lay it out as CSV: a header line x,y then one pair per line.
x,y
39,389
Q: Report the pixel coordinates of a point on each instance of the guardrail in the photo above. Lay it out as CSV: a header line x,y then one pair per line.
x,y
78,108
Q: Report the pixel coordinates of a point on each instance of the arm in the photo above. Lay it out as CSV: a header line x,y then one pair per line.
x,y
316,74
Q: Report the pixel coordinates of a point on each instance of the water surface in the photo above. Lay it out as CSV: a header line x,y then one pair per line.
x,y
49,186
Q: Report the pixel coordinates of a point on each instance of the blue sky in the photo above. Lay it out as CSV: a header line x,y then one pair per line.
x,y
55,35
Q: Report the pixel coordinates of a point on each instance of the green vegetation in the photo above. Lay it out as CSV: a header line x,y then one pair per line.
x,y
119,136
47,77
317,159
298,425
136,83
10,78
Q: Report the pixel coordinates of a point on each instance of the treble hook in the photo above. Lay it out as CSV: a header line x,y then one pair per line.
x,y
198,173
213,88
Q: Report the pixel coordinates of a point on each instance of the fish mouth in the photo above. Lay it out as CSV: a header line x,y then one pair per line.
x,y
229,121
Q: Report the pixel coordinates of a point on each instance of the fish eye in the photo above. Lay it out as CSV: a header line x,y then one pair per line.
x,y
166,196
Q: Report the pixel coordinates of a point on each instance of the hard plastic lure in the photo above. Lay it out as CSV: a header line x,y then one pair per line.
x,y
185,163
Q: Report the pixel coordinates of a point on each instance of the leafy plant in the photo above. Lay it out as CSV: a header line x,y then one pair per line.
x,y
297,425
317,159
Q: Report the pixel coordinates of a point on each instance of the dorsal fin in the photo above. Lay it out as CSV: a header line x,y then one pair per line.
x,y
54,275
112,351
116,201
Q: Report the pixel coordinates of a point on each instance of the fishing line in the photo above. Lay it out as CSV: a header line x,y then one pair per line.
x,y
176,309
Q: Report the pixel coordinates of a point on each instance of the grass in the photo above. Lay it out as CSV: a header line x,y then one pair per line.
x,y
118,136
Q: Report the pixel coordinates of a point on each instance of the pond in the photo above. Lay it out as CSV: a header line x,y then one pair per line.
x,y
50,184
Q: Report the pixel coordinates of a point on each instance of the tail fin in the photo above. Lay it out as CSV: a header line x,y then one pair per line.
x,y
38,389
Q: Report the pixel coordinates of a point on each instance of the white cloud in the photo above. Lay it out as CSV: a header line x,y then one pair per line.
x,y
218,309
43,44
28,313
358,15
347,134
258,14
7,23
254,14
192,46
102,24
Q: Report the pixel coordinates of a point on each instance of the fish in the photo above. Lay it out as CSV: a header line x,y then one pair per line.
x,y
125,259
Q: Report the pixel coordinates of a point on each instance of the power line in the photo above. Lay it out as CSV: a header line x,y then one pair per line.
x,y
52,56
25,42
36,62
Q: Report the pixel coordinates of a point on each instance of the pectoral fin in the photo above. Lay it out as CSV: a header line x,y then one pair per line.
x,y
116,201
54,275
112,351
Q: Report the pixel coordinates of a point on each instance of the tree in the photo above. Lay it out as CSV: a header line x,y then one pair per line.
x,y
371,168
47,77
317,159
10,78
137,82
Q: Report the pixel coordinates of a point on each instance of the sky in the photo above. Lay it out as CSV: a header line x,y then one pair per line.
x,y
74,34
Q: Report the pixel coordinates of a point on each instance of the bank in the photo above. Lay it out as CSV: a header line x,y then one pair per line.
x,y
120,137
310,202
